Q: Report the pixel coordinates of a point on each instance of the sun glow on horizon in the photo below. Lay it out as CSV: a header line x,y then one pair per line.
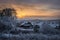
x,y
20,14
23,11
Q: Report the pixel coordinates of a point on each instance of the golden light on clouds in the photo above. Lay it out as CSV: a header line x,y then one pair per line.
x,y
33,11
33,8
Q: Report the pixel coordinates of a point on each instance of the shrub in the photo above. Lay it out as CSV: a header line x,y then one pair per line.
x,y
36,28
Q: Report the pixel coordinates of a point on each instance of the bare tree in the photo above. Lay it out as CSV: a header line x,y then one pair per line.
x,y
0,13
9,12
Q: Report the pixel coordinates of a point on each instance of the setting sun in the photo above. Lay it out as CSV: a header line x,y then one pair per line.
x,y
35,11
20,14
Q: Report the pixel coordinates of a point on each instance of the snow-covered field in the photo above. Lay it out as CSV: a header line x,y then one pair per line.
x,y
11,30
34,36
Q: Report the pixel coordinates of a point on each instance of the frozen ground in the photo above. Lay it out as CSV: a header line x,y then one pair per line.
x,y
32,36
47,30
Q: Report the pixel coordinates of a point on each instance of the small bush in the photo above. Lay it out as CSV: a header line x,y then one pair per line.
x,y
36,29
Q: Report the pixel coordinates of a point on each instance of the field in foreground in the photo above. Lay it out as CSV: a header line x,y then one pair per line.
x,y
32,36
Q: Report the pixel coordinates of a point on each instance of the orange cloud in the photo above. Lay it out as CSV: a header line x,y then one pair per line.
x,y
24,11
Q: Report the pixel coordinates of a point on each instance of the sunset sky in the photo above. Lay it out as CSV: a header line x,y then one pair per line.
x,y
35,9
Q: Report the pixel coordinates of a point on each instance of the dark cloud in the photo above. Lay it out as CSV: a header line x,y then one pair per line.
x,y
55,4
